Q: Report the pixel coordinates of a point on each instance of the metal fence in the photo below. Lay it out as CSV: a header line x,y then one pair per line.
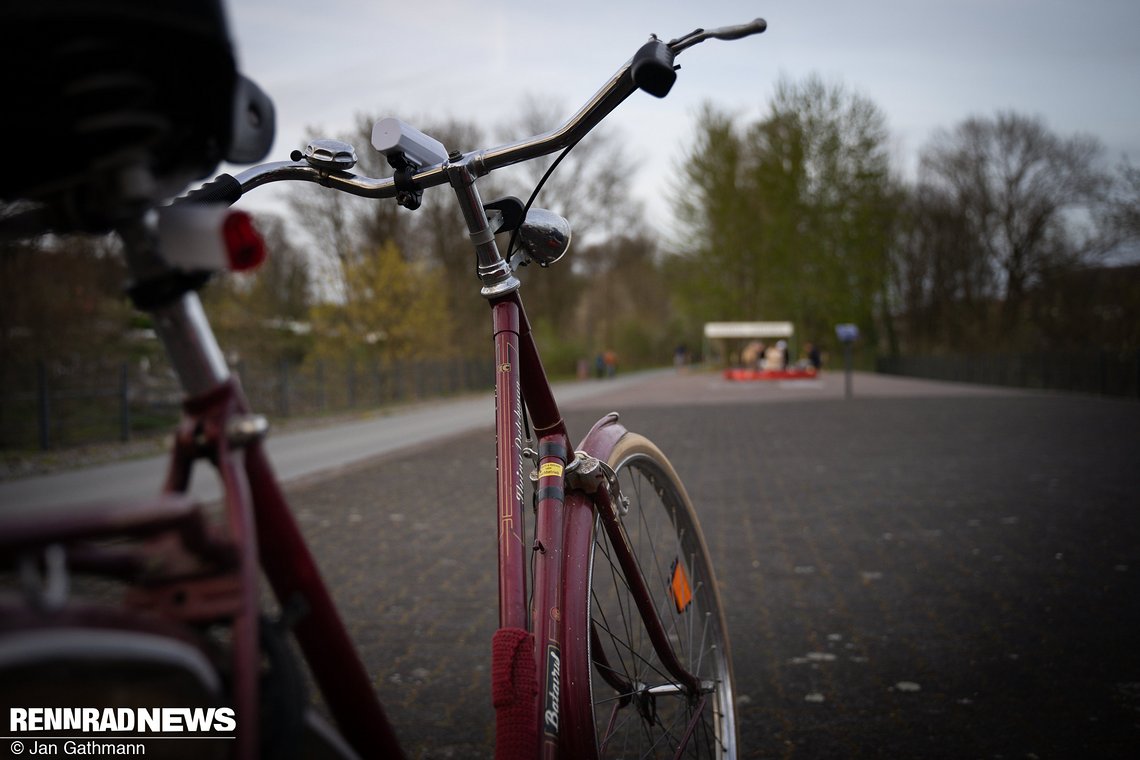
x,y
56,405
1104,373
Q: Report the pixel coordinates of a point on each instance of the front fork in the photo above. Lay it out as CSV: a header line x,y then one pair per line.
x,y
598,479
596,483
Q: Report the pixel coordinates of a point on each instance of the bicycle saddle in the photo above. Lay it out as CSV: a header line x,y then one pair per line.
x,y
117,105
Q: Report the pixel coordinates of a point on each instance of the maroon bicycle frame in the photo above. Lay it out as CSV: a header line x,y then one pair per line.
x,y
560,550
563,542
559,716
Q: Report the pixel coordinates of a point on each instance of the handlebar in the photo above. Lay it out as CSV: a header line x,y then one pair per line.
x,y
481,162
655,56
756,26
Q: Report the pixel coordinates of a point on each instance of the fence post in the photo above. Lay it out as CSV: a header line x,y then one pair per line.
x,y
847,369
43,405
322,397
351,378
283,388
124,402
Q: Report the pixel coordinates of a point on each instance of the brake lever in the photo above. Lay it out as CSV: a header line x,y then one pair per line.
x,y
755,26
736,32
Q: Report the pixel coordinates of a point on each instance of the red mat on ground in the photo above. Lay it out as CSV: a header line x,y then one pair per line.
x,y
770,374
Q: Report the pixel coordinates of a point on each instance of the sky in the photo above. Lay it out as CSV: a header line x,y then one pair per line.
x,y
927,64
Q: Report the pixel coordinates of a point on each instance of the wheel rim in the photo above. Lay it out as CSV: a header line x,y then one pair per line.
x,y
652,715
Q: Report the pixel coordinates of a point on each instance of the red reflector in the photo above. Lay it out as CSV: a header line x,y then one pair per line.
x,y
244,246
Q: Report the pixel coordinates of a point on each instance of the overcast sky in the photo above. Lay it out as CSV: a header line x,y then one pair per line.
x,y
927,64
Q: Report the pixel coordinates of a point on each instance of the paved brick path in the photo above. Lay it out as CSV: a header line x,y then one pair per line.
x,y
925,571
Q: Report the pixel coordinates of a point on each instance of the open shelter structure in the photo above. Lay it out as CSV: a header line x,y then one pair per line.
x,y
720,336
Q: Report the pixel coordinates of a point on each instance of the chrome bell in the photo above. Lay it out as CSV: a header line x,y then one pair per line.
x,y
330,155
543,238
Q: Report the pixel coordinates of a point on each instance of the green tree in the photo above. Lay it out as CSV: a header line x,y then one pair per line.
x,y
394,309
62,298
262,315
345,229
725,248
790,217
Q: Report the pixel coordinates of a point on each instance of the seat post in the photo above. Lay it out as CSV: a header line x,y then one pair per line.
x,y
171,298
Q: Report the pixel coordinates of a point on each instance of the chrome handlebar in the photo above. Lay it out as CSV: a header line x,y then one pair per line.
x,y
483,162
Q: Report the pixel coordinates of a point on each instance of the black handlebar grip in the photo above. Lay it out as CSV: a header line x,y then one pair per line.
x,y
225,189
652,68
756,26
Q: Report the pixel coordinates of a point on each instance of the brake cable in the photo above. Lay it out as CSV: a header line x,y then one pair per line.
x,y
533,195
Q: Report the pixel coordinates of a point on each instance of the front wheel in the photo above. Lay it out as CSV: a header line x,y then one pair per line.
x,y
640,711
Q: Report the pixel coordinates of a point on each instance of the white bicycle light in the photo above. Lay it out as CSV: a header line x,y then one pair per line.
x,y
394,138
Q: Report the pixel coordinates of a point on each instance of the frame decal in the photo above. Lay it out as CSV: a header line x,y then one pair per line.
x,y
550,712
550,470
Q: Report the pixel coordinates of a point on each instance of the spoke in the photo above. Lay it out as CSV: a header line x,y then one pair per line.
x,y
603,623
625,612
638,480
650,714
659,567
664,677
616,577
646,533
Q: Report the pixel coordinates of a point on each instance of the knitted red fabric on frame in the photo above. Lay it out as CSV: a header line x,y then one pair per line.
x,y
514,688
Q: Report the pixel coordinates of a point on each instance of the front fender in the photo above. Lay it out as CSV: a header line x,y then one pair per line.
x,y
576,736
603,437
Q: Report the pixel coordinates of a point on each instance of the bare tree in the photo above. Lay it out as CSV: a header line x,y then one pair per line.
x,y
940,282
1122,212
346,229
591,188
1025,194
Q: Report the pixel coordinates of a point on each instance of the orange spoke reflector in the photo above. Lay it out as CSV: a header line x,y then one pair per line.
x,y
682,592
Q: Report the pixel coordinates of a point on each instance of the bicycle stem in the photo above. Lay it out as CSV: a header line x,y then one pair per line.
x,y
493,270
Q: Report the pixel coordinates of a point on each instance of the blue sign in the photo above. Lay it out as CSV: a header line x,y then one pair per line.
x,y
847,333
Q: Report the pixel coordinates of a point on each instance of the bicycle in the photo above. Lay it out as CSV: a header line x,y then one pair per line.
x,y
612,638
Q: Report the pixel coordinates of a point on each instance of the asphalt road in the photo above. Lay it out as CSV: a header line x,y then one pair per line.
x,y
924,571
301,453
